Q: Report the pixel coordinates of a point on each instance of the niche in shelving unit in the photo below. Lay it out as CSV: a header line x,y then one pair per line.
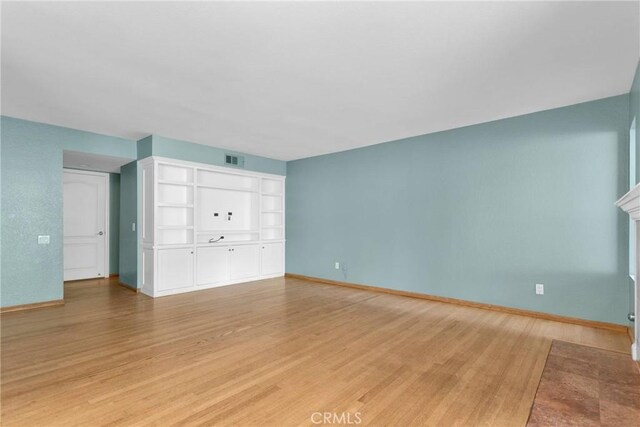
x,y
174,236
174,216
272,186
229,237
271,219
272,209
272,233
172,194
227,181
172,173
226,210
271,203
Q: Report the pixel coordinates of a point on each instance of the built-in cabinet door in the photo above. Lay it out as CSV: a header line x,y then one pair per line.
x,y
244,261
175,268
212,265
272,259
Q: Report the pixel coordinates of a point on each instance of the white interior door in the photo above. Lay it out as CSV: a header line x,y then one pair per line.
x,y
85,224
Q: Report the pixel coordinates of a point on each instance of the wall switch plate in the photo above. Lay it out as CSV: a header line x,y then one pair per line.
x,y
337,266
539,289
133,226
44,240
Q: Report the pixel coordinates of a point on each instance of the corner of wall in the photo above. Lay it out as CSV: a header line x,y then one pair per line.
x,y
145,147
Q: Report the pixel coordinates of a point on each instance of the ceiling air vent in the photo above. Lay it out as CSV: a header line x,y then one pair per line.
x,y
232,160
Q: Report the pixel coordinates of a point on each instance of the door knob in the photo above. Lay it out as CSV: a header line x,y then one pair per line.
x,y
100,233
631,317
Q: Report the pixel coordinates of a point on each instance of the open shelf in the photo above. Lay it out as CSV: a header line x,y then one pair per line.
x,y
227,188
229,181
246,236
273,233
177,245
174,205
175,174
271,203
174,236
169,182
173,216
272,186
226,231
175,194
271,219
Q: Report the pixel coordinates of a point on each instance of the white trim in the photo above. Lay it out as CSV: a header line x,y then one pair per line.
x,y
107,219
630,203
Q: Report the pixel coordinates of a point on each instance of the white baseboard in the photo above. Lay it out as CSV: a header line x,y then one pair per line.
x,y
635,351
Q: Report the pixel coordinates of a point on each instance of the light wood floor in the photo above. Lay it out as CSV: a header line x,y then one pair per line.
x,y
272,353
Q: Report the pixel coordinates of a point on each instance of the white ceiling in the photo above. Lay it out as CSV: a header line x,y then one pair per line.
x,y
92,162
293,80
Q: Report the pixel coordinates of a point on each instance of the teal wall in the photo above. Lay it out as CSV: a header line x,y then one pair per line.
x,y
128,263
114,223
145,147
634,112
480,213
31,175
182,150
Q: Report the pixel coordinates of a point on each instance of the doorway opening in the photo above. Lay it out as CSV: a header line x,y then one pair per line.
x,y
86,228
91,212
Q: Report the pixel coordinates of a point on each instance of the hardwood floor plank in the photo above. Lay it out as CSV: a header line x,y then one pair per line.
x,y
272,353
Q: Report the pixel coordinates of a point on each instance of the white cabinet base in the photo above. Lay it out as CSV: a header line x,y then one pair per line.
x,y
157,294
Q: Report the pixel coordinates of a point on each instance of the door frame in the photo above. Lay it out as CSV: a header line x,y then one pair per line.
x,y
107,207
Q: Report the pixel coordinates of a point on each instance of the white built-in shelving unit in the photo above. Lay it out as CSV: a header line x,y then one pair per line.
x,y
205,226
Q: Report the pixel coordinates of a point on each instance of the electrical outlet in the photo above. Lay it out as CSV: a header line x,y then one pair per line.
x,y
337,266
44,240
539,289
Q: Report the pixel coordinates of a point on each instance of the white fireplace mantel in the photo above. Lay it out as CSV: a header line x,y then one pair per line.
x,y
630,203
